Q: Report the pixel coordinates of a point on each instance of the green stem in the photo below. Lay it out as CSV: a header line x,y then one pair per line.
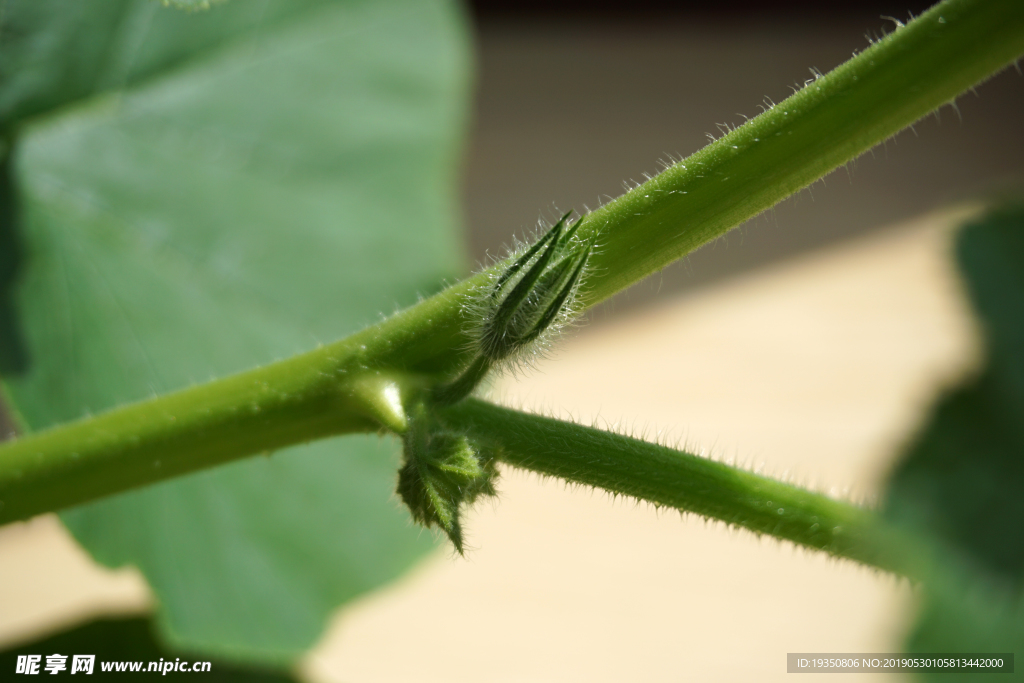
x,y
874,95
181,432
832,120
464,384
675,479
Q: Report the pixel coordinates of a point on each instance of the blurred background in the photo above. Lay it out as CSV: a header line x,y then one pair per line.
x,y
807,344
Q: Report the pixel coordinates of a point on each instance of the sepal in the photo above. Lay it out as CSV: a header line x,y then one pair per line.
x,y
442,473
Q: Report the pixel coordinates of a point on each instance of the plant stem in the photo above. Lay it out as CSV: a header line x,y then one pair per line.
x,y
184,431
667,477
836,117
464,384
829,122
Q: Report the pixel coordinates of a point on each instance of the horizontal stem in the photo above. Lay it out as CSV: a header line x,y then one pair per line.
x,y
671,478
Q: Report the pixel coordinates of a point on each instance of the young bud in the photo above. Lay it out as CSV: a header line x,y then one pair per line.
x,y
442,472
530,297
530,294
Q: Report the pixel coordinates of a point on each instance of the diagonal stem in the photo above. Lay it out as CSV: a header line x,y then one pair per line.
x,y
836,117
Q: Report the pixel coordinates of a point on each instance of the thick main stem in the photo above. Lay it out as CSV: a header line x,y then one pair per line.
x,y
832,120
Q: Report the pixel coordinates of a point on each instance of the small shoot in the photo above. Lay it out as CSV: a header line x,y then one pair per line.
x,y
442,471
529,300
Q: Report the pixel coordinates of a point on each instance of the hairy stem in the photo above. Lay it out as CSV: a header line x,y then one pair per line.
x,y
836,117
464,384
833,119
671,478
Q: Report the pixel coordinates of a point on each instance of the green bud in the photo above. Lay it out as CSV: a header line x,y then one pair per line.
x,y
529,297
531,293
442,472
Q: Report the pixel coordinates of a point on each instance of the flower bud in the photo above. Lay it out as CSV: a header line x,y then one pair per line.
x,y
442,472
531,294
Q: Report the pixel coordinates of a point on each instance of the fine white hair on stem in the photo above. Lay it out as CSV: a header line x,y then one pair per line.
x,y
485,303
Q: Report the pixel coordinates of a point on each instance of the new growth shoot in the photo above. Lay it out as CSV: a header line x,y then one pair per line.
x,y
523,304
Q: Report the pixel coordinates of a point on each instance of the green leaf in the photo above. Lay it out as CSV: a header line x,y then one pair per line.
x,y
54,53
128,641
191,4
262,181
961,482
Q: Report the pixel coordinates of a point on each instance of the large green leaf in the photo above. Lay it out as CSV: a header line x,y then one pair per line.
x,y
216,190
961,482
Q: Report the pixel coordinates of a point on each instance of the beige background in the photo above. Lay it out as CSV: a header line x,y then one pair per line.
x,y
814,370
